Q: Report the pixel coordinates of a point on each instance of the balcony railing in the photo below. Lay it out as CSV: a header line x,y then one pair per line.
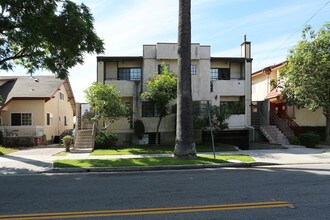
x,y
229,87
22,131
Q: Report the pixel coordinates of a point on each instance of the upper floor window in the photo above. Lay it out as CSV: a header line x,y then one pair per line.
x,y
129,73
61,96
20,119
149,110
66,121
236,107
193,69
220,74
160,68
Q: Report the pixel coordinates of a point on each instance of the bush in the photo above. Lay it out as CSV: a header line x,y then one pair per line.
x,y
309,139
139,129
67,142
105,140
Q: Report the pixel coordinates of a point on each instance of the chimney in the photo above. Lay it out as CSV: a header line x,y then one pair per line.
x,y
246,48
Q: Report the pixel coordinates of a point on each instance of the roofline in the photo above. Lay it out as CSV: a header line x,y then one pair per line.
x,y
272,67
118,58
241,59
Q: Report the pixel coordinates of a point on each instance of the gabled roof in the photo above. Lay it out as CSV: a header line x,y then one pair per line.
x,y
269,68
36,87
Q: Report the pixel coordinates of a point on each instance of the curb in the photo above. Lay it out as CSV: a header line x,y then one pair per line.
x,y
155,168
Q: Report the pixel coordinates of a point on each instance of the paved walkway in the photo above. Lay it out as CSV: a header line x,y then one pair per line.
x,y
35,160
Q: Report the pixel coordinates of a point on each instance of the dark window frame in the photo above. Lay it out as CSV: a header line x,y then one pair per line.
x,y
129,73
21,119
149,109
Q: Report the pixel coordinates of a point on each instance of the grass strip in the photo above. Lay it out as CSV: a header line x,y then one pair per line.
x,y
157,150
7,150
153,161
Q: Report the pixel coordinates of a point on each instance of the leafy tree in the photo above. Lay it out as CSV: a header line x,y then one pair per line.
x,y
184,144
307,74
219,116
160,91
106,102
46,34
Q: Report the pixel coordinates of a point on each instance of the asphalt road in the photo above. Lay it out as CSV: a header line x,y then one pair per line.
x,y
281,192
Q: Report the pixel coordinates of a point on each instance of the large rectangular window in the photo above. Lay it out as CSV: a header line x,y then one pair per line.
x,y
129,73
149,110
220,74
200,108
21,119
236,107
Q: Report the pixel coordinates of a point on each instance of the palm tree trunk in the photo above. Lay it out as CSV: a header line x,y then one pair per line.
x,y
184,143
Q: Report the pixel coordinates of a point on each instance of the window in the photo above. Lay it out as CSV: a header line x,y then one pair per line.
x,y
20,119
220,74
61,96
236,107
160,69
214,74
65,121
48,118
149,110
129,73
193,69
200,108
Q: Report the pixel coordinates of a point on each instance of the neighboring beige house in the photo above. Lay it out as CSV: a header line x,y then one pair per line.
x,y
219,80
272,108
36,106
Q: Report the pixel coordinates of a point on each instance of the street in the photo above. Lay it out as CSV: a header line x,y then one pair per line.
x,y
277,192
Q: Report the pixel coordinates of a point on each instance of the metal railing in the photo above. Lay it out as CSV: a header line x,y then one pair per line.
x,y
282,125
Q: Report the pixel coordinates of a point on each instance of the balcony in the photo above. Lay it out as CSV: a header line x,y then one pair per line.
x,y
127,88
236,121
229,87
22,131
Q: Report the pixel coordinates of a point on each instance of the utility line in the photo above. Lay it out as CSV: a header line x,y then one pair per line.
x,y
294,33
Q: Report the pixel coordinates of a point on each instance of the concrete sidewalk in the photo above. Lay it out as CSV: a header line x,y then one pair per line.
x,y
36,160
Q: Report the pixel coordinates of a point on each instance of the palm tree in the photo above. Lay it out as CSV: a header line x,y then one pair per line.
x,y
184,144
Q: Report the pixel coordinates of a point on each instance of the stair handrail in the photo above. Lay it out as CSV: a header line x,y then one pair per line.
x,y
288,132
293,125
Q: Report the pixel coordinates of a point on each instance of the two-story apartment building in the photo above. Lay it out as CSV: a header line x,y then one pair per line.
x,y
219,80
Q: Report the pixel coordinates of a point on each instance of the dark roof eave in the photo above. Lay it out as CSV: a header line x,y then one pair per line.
x,y
236,59
119,58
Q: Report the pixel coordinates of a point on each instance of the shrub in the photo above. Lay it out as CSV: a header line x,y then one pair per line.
x,y
139,129
105,140
67,142
309,139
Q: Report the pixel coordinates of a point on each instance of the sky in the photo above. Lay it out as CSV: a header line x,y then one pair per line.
x,y
272,27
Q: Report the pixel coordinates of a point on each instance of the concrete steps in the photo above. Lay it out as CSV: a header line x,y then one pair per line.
x,y
273,134
83,141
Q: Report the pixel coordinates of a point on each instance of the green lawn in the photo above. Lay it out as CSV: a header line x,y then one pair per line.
x,y
154,161
7,150
158,150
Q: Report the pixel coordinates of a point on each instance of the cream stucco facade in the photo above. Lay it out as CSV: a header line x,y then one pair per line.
x,y
130,74
38,116
261,88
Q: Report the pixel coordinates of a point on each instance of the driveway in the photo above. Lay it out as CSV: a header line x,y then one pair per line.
x,y
30,160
